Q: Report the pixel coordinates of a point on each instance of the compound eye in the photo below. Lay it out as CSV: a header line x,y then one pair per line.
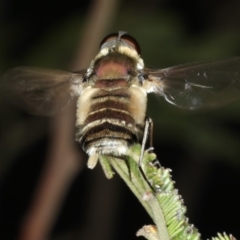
x,y
131,41
108,38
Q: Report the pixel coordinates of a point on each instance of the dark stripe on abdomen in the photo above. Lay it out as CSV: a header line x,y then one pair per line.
x,y
107,130
109,103
118,93
107,113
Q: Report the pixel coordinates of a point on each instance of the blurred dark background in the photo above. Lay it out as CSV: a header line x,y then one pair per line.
x,y
202,148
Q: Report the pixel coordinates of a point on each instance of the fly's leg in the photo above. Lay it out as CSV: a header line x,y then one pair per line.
x,y
147,137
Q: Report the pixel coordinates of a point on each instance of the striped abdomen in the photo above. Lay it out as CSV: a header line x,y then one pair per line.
x,y
110,117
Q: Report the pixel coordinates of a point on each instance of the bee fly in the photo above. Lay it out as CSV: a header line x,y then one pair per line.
x,y
112,93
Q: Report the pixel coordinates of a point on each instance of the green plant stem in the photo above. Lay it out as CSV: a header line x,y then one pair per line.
x,y
154,188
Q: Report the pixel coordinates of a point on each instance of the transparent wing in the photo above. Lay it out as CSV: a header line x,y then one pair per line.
x,y
197,85
40,91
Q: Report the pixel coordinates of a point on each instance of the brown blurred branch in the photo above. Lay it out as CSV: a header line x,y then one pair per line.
x,y
64,160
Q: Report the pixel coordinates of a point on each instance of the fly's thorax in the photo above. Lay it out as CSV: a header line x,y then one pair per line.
x,y
122,63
